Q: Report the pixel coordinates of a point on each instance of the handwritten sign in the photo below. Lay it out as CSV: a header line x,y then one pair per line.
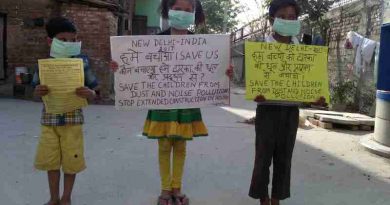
x,y
165,72
286,72
62,77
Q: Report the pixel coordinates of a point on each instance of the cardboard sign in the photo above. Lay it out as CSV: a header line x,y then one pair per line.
x,y
166,72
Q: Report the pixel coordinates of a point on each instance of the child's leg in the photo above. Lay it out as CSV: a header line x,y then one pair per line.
x,y
275,202
73,162
265,146
48,158
285,141
164,150
54,186
265,201
179,156
68,187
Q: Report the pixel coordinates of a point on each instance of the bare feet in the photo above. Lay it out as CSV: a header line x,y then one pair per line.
x,y
65,202
53,202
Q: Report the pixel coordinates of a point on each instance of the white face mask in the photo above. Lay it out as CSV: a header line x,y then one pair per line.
x,y
61,49
287,27
181,20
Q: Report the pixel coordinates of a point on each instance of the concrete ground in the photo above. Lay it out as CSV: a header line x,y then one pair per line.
x,y
329,167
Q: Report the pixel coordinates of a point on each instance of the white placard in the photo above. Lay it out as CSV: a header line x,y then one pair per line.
x,y
167,72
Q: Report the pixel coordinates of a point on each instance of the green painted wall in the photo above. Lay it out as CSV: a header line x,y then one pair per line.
x,y
149,8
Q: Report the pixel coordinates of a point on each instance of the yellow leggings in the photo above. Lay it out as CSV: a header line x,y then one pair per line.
x,y
171,181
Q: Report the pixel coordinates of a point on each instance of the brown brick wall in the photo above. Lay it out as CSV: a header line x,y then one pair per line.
x,y
350,18
26,44
95,26
363,17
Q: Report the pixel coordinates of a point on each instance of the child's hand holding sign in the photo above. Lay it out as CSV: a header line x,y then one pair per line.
x,y
41,90
85,92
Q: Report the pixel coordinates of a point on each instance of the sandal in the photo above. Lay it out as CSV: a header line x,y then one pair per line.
x,y
181,199
165,200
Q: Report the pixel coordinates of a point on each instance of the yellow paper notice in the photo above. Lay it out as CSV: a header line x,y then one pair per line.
x,y
286,72
62,76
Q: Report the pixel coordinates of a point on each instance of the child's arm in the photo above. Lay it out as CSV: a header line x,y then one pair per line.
x,y
41,90
85,92
90,81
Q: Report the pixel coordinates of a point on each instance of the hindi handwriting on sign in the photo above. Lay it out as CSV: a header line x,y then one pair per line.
x,y
62,76
165,72
285,72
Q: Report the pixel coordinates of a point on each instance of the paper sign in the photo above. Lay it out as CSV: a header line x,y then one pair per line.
x,y
286,72
166,72
62,76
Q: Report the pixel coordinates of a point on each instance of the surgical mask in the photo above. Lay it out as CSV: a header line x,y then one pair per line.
x,y
61,49
287,27
180,19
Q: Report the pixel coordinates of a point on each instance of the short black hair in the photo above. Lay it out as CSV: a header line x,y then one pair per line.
x,y
278,4
59,25
199,13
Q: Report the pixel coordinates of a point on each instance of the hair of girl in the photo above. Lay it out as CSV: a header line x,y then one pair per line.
x,y
198,9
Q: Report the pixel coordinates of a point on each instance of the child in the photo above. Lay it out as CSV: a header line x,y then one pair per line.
x,y
61,141
173,128
277,123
